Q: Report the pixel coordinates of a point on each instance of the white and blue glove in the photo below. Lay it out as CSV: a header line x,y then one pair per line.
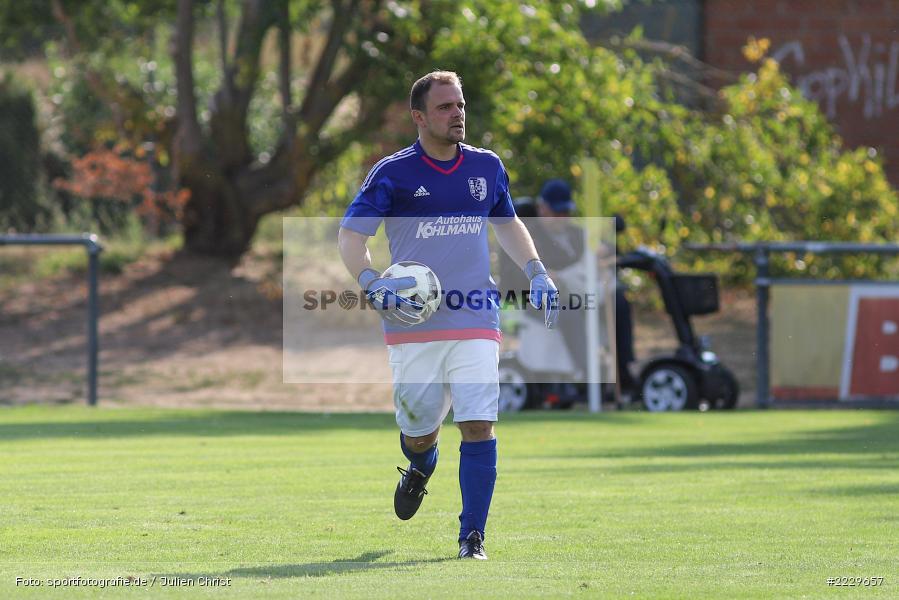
x,y
381,293
544,293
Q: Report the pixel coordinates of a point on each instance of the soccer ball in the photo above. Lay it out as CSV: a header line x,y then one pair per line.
x,y
426,290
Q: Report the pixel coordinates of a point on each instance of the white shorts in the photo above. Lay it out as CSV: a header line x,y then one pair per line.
x,y
429,377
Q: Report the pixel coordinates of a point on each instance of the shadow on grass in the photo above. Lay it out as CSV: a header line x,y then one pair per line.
x,y
870,446
121,424
671,468
887,489
363,562
209,424
881,437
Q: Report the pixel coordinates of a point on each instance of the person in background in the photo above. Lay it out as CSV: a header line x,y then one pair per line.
x,y
560,244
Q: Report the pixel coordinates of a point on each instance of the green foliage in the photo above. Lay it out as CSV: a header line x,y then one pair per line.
x,y
135,108
20,165
83,118
109,26
769,167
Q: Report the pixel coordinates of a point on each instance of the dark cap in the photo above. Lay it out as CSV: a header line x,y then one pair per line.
x,y
557,193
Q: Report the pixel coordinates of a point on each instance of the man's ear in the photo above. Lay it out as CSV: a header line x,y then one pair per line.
x,y
418,117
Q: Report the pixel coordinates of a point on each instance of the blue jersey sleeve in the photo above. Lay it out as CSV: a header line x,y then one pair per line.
x,y
370,206
502,209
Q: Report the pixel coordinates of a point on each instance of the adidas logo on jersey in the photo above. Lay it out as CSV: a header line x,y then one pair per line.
x,y
421,191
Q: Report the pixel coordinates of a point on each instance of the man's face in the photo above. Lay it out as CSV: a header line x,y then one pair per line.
x,y
444,115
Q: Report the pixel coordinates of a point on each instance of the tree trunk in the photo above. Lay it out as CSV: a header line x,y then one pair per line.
x,y
216,219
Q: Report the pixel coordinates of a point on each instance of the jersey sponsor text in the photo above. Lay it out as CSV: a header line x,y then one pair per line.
x,y
443,226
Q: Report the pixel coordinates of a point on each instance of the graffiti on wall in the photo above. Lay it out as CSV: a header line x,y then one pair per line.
x,y
867,77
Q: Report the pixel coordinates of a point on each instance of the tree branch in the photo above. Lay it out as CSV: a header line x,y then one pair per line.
x,y
284,68
256,18
188,135
228,121
72,42
268,194
223,37
367,123
277,186
330,96
340,22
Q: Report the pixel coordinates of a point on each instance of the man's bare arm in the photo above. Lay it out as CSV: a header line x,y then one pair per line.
x,y
353,247
516,240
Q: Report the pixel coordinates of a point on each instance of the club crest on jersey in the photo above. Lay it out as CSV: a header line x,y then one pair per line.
x,y
478,188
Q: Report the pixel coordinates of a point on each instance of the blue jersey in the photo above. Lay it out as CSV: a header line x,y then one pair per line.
x,y
436,213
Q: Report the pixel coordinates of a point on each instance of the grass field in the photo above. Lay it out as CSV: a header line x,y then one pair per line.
x,y
749,504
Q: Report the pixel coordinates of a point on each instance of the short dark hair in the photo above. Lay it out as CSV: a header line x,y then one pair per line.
x,y
421,87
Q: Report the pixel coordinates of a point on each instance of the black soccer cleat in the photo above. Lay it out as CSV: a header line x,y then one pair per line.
x,y
472,547
410,491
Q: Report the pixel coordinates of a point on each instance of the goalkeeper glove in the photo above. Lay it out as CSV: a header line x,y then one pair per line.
x,y
381,293
544,293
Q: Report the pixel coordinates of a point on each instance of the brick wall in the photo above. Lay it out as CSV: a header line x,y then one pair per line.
x,y
842,53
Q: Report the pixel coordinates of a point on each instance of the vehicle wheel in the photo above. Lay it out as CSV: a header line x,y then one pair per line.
x,y
731,395
514,390
668,387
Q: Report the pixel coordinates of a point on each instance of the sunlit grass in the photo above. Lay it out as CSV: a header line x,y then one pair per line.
x,y
727,505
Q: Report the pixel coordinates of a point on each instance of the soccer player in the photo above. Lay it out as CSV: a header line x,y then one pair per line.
x,y
435,198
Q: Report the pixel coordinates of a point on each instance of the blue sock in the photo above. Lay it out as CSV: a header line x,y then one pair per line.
x,y
425,461
477,476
